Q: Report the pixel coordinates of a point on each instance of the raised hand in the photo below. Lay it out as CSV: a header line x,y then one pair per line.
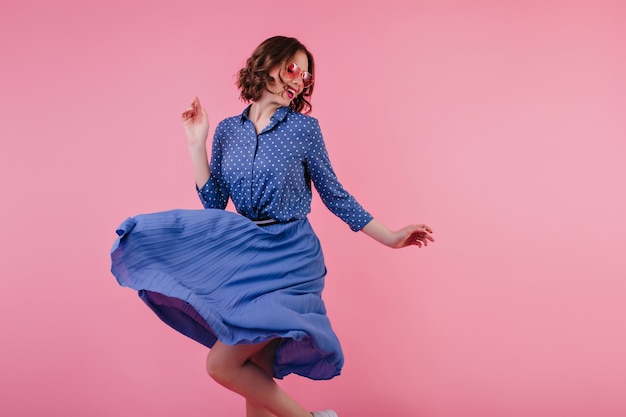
x,y
196,124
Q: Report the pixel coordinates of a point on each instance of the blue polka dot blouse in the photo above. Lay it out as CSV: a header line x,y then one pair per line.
x,y
268,176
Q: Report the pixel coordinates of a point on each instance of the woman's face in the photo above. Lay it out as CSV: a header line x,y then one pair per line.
x,y
290,86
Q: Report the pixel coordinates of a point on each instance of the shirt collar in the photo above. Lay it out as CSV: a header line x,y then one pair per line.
x,y
279,115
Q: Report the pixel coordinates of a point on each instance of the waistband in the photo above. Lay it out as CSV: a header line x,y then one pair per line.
x,y
267,222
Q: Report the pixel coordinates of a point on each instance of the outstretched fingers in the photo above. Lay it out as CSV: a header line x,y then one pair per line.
x,y
420,235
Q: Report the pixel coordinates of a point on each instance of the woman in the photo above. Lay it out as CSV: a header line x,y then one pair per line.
x,y
248,285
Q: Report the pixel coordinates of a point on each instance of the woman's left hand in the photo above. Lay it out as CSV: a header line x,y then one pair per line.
x,y
415,234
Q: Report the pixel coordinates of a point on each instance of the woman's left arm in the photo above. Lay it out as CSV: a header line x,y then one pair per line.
x,y
414,234
345,206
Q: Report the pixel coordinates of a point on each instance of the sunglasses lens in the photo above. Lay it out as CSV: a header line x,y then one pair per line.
x,y
307,79
293,70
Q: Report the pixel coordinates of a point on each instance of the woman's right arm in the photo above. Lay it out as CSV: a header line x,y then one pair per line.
x,y
196,125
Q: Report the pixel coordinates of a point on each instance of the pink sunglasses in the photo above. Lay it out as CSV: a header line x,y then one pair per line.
x,y
292,71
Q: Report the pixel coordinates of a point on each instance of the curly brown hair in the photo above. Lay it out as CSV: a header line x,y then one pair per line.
x,y
253,79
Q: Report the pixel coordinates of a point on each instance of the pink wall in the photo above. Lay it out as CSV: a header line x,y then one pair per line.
x,y
500,124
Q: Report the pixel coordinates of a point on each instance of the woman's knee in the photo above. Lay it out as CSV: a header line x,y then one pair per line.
x,y
216,368
224,361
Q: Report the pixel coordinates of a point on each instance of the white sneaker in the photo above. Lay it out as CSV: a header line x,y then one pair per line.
x,y
325,413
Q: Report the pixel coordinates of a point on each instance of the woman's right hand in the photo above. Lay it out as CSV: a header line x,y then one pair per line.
x,y
196,123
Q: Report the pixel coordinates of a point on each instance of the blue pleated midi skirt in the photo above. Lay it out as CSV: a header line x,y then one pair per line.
x,y
215,275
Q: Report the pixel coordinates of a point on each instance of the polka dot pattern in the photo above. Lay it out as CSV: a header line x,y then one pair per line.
x,y
269,175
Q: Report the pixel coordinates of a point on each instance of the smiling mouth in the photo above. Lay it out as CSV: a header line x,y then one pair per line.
x,y
291,93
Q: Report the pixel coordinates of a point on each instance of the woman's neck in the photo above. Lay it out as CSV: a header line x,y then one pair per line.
x,y
262,111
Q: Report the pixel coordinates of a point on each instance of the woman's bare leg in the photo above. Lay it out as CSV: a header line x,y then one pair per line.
x,y
231,367
264,359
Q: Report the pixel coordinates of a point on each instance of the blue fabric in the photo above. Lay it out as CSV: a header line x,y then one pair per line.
x,y
215,275
212,274
269,175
